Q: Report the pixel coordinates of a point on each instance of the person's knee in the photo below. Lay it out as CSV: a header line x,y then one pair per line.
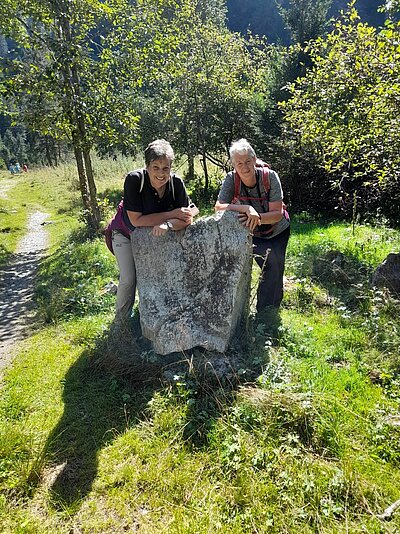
x,y
127,280
272,262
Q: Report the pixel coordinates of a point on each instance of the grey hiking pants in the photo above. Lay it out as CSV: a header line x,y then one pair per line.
x,y
127,274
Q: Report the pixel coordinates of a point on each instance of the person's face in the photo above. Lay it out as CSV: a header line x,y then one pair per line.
x,y
244,164
159,172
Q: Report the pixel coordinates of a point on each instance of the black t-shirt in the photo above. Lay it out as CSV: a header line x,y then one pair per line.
x,y
147,201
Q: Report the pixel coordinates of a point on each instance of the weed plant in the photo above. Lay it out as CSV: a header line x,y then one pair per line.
x,y
296,431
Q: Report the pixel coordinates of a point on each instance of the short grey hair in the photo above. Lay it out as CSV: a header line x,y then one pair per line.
x,y
242,146
158,149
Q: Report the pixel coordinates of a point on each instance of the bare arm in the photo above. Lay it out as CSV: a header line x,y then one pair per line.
x,y
221,206
274,214
248,215
241,208
152,219
177,224
180,224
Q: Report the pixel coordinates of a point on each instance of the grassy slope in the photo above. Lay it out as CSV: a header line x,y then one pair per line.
x,y
306,447
12,218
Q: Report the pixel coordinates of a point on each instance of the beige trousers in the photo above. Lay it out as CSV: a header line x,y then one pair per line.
x,y
127,274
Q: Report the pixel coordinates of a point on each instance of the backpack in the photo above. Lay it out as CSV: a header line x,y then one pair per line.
x,y
264,229
116,223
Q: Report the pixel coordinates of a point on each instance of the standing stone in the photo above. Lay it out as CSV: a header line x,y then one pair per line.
x,y
387,274
193,285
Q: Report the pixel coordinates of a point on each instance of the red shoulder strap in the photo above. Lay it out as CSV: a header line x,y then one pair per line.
x,y
265,179
236,179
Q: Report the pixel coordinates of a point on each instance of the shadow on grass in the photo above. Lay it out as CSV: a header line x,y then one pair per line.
x,y
305,226
5,255
105,391
70,206
72,280
208,382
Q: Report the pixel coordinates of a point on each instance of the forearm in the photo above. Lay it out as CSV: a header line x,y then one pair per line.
x,y
179,224
147,220
152,219
240,208
270,217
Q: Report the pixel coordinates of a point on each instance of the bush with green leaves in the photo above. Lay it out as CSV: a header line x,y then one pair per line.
x,y
345,110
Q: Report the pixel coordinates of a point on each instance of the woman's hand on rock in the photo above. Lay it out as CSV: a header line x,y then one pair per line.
x,y
159,229
250,218
184,214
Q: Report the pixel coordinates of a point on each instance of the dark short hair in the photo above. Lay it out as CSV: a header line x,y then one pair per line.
x,y
158,149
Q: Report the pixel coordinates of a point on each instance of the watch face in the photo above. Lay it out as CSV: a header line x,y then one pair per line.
x,y
169,224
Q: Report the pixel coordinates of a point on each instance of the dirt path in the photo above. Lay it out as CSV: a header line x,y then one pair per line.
x,y
16,287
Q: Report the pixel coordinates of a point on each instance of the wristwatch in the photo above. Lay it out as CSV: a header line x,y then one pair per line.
x,y
169,225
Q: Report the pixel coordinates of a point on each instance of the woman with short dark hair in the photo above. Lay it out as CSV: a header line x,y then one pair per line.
x,y
154,197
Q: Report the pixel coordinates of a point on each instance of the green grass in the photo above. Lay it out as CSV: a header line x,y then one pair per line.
x,y
93,439
55,191
13,218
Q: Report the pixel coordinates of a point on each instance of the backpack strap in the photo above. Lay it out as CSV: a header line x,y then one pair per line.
x,y
236,181
265,170
266,181
171,181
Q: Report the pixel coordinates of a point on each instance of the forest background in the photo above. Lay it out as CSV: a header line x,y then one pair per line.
x,y
317,96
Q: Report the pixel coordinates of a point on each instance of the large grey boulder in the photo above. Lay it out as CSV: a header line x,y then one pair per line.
x,y
193,285
387,274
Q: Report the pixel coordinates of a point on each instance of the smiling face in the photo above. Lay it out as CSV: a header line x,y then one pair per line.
x,y
244,165
159,172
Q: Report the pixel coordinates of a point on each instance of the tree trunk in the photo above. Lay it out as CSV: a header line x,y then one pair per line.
x,y
190,174
206,177
83,185
73,104
82,140
94,206
54,150
48,155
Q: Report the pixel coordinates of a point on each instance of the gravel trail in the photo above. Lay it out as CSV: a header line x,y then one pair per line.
x,y
16,287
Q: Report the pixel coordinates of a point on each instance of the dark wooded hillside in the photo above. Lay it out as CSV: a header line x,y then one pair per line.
x,y
263,18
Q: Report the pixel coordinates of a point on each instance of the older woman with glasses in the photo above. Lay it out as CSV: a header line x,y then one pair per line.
x,y
256,194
